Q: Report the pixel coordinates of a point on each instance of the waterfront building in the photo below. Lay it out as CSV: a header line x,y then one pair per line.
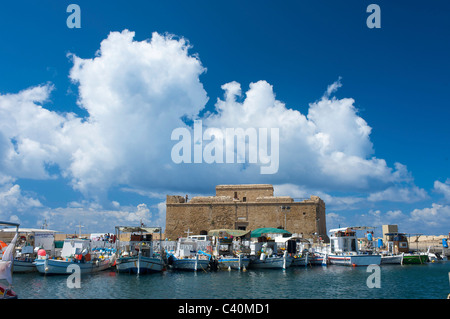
x,y
245,207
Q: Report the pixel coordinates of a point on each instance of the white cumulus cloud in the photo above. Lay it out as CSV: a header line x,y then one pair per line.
x,y
443,188
136,93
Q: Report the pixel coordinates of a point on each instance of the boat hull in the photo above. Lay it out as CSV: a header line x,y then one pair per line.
x,y
354,260
233,263
271,262
434,259
6,293
139,265
299,261
24,266
317,260
397,260
61,267
190,264
414,259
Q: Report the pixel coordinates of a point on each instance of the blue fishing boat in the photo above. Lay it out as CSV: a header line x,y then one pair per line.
x,y
187,256
137,256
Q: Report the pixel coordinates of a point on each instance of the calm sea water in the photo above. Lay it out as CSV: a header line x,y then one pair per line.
x,y
429,281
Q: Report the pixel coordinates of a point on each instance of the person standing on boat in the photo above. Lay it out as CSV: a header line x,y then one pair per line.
x,y
369,239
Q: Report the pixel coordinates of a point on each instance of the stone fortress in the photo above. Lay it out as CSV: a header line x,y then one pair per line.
x,y
245,207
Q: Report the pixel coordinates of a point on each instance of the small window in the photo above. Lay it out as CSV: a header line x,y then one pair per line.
x,y
244,199
235,195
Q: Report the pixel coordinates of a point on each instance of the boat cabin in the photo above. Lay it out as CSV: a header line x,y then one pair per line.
x,y
140,240
200,237
187,247
343,240
75,246
397,243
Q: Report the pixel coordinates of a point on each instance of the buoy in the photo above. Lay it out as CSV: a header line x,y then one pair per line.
x,y
353,265
229,268
244,269
41,252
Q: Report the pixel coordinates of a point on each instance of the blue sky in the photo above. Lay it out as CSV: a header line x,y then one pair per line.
x,y
376,148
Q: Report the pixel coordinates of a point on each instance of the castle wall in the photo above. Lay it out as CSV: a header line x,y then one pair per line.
x,y
261,209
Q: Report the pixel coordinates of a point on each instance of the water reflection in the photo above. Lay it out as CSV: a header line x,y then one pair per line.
x,y
429,281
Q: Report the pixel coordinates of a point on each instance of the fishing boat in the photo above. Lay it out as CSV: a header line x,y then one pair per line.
x,y
231,248
317,259
6,265
267,260
187,256
395,248
265,253
138,256
298,248
415,259
436,256
30,240
392,259
318,253
301,259
75,254
398,249
344,249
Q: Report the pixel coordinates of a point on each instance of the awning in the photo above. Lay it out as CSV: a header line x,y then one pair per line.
x,y
133,229
9,224
231,232
268,230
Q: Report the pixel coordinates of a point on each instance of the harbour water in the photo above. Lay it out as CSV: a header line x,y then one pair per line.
x,y
428,281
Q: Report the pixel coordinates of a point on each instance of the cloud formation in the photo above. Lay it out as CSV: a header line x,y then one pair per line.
x,y
137,92
443,188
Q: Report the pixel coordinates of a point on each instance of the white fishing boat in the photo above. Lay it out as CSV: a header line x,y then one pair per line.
x,y
30,240
317,259
6,265
343,249
187,256
436,256
318,253
137,256
392,259
76,254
